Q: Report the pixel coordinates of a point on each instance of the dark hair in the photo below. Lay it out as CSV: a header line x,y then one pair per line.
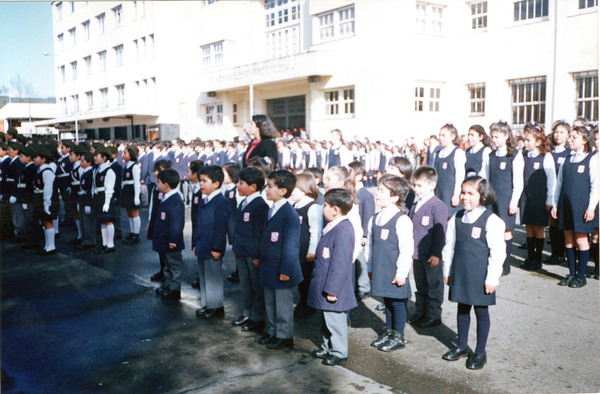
x,y
317,173
214,173
359,168
555,125
581,120
284,180
161,165
487,195
233,170
67,144
485,140
25,151
340,198
261,164
14,146
3,146
88,157
589,137
503,127
403,165
397,186
538,133
450,127
253,176
346,174
425,172
265,126
195,166
133,152
105,153
170,177
306,182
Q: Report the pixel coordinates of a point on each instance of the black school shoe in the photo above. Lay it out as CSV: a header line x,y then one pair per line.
x,y
253,326
476,361
266,338
210,313
334,360
566,281
455,353
577,283
280,343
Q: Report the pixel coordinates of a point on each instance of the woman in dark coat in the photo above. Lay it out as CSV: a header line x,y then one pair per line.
x,y
262,132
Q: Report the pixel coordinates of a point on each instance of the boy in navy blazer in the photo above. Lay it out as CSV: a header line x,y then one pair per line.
x,y
280,268
250,220
168,233
210,240
332,289
429,215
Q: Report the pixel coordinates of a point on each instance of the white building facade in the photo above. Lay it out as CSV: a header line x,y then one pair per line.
x,y
383,69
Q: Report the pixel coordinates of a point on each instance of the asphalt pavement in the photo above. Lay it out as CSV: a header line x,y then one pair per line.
x,y
79,322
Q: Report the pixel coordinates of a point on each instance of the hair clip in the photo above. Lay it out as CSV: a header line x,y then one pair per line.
x,y
347,167
267,159
449,124
502,121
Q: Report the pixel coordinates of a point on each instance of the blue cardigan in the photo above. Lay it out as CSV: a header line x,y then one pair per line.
x,y
211,226
169,222
280,249
249,227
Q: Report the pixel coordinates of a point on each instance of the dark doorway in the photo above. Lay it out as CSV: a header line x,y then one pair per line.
x,y
287,112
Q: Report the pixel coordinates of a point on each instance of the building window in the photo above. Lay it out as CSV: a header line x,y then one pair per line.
x,y
118,55
528,100
587,95
59,15
101,27
530,9
336,24
427,98
72,39
136,49
212,54
479,15
429,18
214,114
61,42
89,96
86,30
102,60
88,65
117,11
120,94
75,102
477,99
143,48
280,12
587,4
74,70
151,43
63,77
339,102
72,7
104,98
283,42
63,105
235,113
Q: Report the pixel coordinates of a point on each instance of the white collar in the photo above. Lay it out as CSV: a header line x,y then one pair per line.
x,y
212,195
333,223
303,202
169,194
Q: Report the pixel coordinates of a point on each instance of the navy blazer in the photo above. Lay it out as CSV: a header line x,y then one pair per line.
x,y
211,226
332,273
249,226
169,222
280,249
429,228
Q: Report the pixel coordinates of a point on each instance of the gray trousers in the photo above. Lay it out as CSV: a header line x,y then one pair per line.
x,y
210,275
18,219
334,329
279,311
88,225
430,289
174,269
362,276
253,298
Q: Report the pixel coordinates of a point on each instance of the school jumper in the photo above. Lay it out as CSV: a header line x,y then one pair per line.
x,y
130,190
24,196
476,159
84,202
13,173
450,170
557,237
103,190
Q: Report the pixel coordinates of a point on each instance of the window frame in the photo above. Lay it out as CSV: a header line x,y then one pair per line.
x,y
86,29
213,114
90,100
101,19
428,96
523,88
340,102
428,22
330,24
581,99
118,15
102,60
119,49
120,89
213,54
477,103
526,7
479,17
585,4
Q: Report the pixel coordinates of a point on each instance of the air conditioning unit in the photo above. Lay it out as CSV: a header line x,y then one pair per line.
x,y
211,94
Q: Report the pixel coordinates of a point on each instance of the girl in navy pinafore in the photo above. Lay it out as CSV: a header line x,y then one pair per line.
x,y
390,248
505,173
130,193
449,162
473,257
575,203
477,156
539,177
103,190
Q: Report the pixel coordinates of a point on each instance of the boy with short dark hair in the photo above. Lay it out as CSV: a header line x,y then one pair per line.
x,y
155,197
250,220
24,192
429,215
280,268
84,202
210,241
331,288
168,233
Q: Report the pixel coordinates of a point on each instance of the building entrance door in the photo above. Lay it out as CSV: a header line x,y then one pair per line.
x,y
287,112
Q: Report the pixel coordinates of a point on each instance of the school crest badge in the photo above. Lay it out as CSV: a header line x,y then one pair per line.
x,y
580,169
444,166
561,160
231,194
476,232
274,236
163,215
196,200
536,166
425,221
325,252
246,216
300,217
503,165
385,233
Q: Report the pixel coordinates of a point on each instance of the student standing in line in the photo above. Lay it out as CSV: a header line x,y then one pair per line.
x,y
84,202
103,190
193,175
155,198
45,198
473,257
477,156
449,163
130,193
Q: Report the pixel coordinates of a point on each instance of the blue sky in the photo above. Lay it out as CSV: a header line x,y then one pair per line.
x,y
25,33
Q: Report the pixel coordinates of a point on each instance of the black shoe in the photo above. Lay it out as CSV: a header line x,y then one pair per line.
x,y
455,354
535,265
240,321
158,277
134,239
334,360
360,295
107,250
200,312
566,281
99,250
393,342
430,323
416,319
234,277
505,271
476,361
380,307
253,326
552,260
210,313
382,338
320,353
577,283
281,343
265,339
44,252
171,295
196,283
523,245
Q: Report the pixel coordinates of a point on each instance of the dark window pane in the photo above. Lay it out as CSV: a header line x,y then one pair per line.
x,y
542,114
530,12
545,10
516,14
543,91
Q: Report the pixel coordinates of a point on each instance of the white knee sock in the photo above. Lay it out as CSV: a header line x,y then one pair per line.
x,y
131,226
137,223
79,233
49,235
110,236
104,233
55,224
